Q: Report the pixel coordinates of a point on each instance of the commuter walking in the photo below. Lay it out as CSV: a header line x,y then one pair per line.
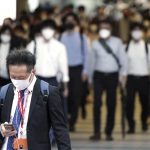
x,y
76,45
138,76
8,42
50,54
109,65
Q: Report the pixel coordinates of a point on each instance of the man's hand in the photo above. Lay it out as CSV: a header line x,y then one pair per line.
x,y
123,81
7,133
65,92
84,77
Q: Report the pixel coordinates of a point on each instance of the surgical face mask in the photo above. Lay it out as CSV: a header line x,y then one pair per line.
x,y
48,33
137,34
5,38
21,84
104,33
69,26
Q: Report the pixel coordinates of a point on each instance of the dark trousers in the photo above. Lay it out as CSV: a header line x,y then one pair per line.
x,y
4,81
107,82
75,86
84,94
140,85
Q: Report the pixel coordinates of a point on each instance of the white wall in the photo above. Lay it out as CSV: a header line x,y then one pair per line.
x,y
7,9
90,4
33,4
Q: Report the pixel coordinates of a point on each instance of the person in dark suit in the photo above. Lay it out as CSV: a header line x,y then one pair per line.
x,y
25,108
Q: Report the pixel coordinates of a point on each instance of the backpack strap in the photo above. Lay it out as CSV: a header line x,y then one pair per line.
x,y
3,93
109,50
82,42
146,47
82,46
44,90
127,47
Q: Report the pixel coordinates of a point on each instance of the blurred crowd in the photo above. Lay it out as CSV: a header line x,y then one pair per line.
x,y
75,49
122,14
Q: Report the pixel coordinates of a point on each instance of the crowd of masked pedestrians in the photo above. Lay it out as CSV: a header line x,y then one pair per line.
x,y
80,53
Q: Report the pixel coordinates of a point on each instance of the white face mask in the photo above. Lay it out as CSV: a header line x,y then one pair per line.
x,y
5,38
104,33
48,33
21,84
137,34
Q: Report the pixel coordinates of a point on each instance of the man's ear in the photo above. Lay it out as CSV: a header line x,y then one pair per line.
x,y
33,71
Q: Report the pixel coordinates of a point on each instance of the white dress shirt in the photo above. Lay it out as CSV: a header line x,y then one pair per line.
x,y
26,114
51,59
4,50
138,59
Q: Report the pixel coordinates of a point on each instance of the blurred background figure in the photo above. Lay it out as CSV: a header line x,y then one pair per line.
x,y
54,53
76,45
8,42
5,47
55,62
138,76
51,59
109,65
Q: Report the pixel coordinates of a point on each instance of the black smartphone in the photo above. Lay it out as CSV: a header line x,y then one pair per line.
x,y
9,127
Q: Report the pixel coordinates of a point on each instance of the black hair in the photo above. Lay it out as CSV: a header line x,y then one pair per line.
x,y
107,20
81,8
48,23
73,15
136,25
5,28
21,57
20,28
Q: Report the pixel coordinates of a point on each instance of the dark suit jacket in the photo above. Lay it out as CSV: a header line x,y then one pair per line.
x,y
42,116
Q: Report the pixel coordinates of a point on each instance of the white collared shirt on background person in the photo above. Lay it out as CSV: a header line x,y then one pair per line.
x,y
26,114
4,51
138,59
51,58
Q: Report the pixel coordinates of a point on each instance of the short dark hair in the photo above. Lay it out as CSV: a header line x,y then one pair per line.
x,y
136,25
48,23
73,15
107,20
21,57
4,28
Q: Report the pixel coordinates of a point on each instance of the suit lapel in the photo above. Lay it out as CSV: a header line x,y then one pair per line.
x,y
8,104
35,97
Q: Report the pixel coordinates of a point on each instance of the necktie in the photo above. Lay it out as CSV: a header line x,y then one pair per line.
x,y
16,121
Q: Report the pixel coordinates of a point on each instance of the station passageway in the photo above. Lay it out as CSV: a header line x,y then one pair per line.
x,y
138,141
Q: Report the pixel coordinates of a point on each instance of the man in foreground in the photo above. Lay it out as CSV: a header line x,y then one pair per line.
x,y
30,113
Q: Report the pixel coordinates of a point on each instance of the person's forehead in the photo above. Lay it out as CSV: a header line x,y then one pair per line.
x,y
18,68
107,25
48,28
70,18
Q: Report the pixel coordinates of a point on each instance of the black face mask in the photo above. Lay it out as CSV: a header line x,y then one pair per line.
x,y
69,26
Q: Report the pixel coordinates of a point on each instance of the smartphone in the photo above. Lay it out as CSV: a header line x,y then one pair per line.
x,y
9,127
